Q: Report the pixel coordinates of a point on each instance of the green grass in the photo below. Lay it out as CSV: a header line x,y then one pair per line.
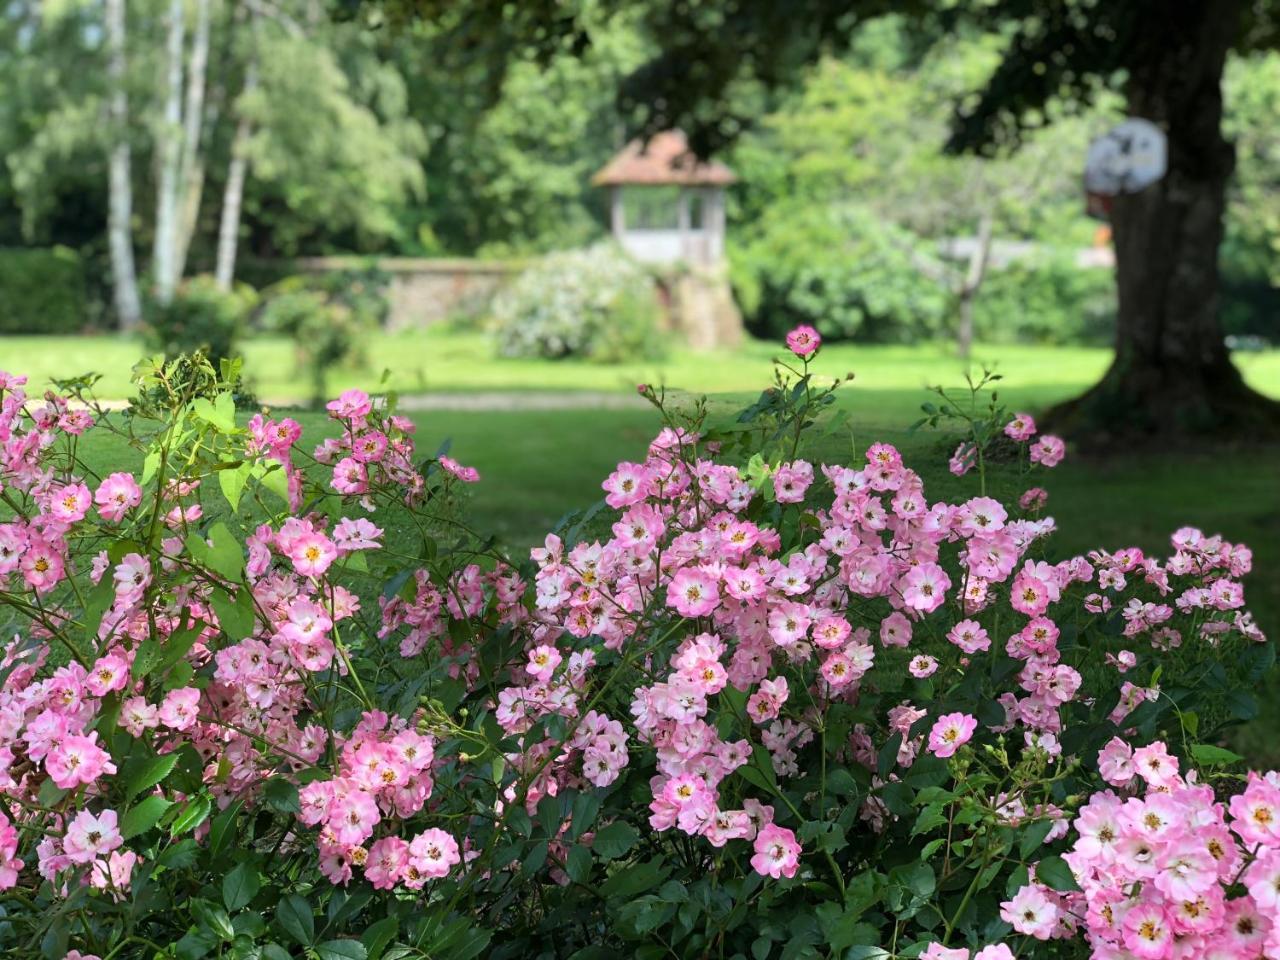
x,y
439,359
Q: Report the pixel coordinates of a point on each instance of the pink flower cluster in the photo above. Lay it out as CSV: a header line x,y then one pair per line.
x,y
384,769
1166,870
1045,450
798,628
253,718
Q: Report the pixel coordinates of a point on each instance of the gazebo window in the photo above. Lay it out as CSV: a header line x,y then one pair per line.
x,y
665,204
652,208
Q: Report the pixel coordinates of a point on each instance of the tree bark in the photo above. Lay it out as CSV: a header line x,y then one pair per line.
x,y
120,187
233,191
1172,375
169,158
191,168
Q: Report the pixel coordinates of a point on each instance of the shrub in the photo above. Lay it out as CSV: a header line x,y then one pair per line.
x,y
596,303
200,317
329,317
841,269
263,704
1046,300
42,291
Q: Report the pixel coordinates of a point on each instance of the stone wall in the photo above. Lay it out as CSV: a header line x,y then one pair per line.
x,y
697,302
427,291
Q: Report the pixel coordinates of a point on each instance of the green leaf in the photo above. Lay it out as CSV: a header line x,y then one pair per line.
x,y
214,919
614,840
1054,873
378,936
273,478
96,605
143,773
226,556
577,863
342,950
150,465
586,806
294,915
235,616
141,817
194,812
222,829
1206,754
240,886
1033,837
232,482
221,415
282,795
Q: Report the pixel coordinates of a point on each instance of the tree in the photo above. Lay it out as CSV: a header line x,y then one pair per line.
x,y
1172,374
119,228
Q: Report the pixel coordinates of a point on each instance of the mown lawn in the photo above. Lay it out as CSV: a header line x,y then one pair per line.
x,y
440,359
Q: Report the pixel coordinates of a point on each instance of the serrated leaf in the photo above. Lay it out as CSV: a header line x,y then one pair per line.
x,y
145,772
294,916
1207,754
1033,837
614,840
232,482
342,950
226,555
378,936
282,795
577,863
235,616
1054,873
240,886
193,813
141,817
214,919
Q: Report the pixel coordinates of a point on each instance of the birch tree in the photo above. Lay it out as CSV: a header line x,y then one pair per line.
x,y
120,187
169,158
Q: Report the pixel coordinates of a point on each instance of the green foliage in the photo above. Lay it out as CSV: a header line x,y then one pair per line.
x,y
842,270
336,155
200,317
329,316
1046,299
595,303
42,291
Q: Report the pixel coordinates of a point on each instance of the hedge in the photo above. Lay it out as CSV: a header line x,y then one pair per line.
x,y
42,290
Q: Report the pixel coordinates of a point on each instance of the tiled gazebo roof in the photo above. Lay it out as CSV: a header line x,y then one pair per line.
x,y
664,160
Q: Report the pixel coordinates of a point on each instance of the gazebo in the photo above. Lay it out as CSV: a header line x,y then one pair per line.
x,y
666,205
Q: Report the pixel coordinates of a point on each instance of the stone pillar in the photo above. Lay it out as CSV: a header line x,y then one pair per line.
x,y
682,224
713,222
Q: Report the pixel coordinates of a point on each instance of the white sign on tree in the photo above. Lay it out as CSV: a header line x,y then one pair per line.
x,y
1128,158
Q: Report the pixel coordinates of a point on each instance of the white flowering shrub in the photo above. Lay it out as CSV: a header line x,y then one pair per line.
x,y
595,303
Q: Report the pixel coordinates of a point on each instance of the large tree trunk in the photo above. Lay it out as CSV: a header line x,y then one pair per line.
x,y
120,187
169,161
1172,375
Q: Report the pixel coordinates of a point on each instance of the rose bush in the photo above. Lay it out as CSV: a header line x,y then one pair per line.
x,y
265,702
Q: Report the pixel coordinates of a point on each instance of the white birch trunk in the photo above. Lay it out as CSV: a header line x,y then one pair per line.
x,y
169,158
120,188
233,192
191,168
